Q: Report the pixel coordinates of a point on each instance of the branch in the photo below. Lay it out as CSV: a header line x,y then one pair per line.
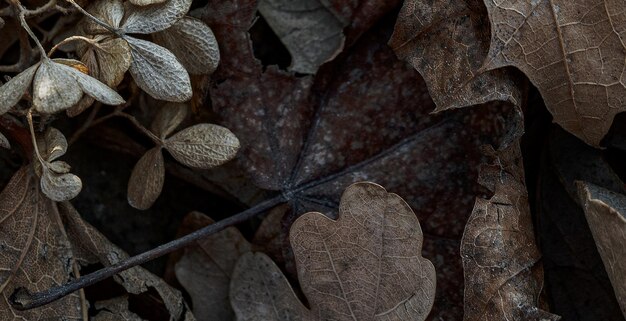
x,y
21,300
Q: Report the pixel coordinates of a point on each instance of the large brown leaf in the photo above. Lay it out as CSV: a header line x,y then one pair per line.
x,y
572,50
503,274
364,116
366,265
447,42
606,215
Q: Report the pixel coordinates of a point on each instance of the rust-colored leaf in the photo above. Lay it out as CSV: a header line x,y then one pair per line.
x,y
366,265
501,262
447,42
606,214
573,51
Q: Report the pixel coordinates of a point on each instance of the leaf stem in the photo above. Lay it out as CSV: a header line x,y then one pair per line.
x,y
70,39
30,301
141,127
29,117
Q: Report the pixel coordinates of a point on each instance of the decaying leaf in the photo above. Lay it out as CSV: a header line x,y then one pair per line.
x,y
115,310
107,60
14,89
366,265
573,51
310,31
110,11
205,270
501,262
203,145
154,18
570,258
146,2
447,42
193,43
57,183
606,214
168,118
157,71
146,180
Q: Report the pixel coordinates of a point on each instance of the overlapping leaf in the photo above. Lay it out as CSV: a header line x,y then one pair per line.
x,y
366,265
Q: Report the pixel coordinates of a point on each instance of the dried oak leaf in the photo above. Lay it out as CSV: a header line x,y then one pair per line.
x,y
310,31
501,262
43,242
570,258
573,51
366,265
205,270
447,42
364,116
606,215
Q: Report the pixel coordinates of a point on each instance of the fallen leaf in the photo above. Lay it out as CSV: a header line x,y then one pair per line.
x,y
570,258
501,262
606,214
366,265
572,51
203,145
312,33
447,42
193,43
364,116
205,270
146,180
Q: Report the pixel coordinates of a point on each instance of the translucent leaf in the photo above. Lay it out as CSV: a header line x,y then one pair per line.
x,y
146,180
14,89
203,145
108,60
109,11
150,19
168,118
94,88
193,43
60,187
157,71
54,89
4,142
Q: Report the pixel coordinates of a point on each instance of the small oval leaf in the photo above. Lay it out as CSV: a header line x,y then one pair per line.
x,y
60,187
109,11
153,18
146,180
54,89
203,145
93,87
4,142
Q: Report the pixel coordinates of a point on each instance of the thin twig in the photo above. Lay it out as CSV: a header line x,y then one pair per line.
x,y
31,301
68,40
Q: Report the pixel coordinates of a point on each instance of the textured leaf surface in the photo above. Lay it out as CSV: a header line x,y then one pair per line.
x,y
447,42
309,30
153,18
14,89
606,214
193,43
156,70
573,52
107,61
146,2
503,274
205,270
54,89
146,180
60,187
109,11
93,87
203,145
366,265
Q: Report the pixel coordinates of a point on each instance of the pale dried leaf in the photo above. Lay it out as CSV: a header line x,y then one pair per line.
x,y
158,17
108,61
4,142
60,187
94,88
366,265
203,145
447,42
109,11
115,310
146,180
59,167
35,255
606,215
260,291
193,43
501,262
205,270
52,145
14,89
157,71
573,51
310,31
54,89
168,118
146,2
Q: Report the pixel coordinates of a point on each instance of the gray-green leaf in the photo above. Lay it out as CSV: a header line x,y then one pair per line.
x,y
14,89
203,145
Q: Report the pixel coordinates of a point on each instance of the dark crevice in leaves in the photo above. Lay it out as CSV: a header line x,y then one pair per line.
x,y
267,46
